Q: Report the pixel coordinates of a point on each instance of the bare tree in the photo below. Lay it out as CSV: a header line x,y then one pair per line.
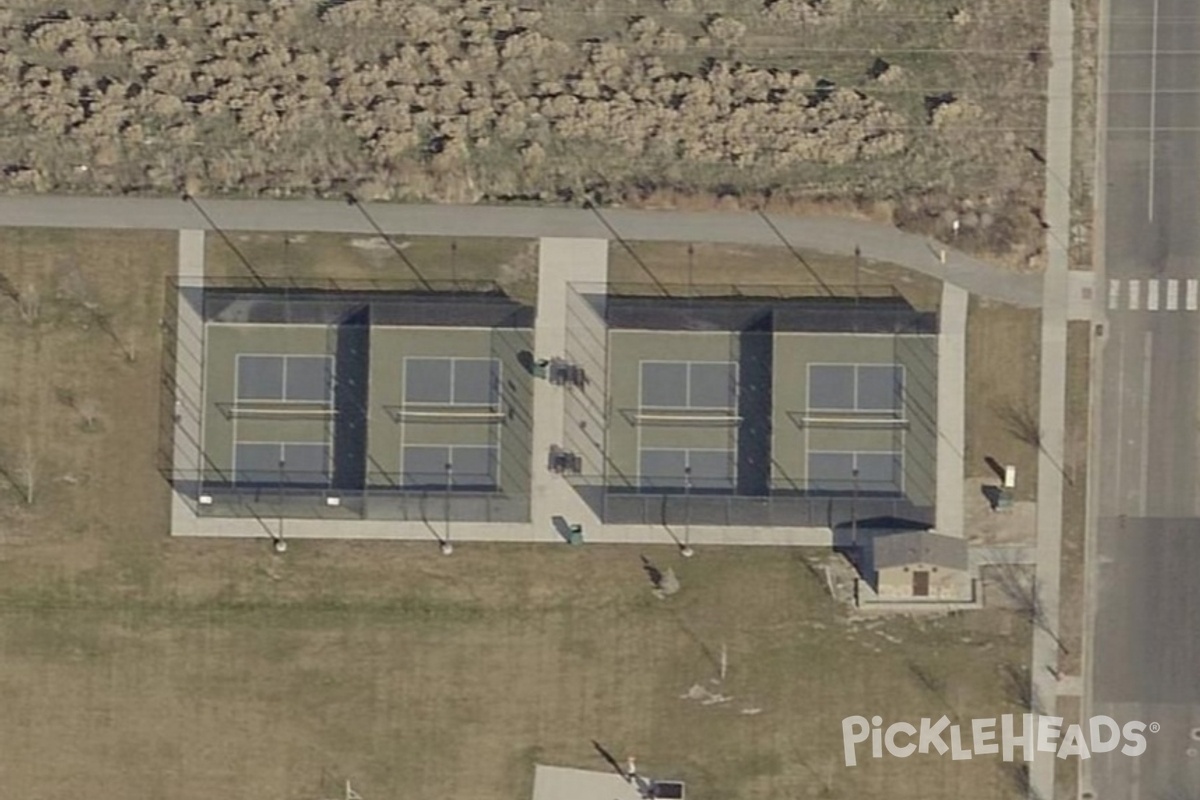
x,y
8,289
29,303
89,414
74,288
1019,583
1019,687
28,471
1019,420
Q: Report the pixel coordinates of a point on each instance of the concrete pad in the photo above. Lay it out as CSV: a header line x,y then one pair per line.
x,y
562,262
564,783
1080,295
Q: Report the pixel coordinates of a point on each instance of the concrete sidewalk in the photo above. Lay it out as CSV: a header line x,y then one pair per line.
x,y
189,361
561,263
1052,405
834,235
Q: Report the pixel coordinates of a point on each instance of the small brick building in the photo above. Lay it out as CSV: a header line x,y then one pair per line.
x,y
919,565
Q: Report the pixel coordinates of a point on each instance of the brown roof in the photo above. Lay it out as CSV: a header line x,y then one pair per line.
x,y
919,547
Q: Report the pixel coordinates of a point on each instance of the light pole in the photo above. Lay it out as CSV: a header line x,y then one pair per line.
x,y
686,551
187,198
857,286
446,547
279,544
854,509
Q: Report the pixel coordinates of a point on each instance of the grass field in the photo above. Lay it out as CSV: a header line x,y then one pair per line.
x,y
1003,346
1072,588
136,666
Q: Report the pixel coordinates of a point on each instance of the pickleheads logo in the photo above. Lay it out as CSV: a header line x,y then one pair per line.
x,y
988,737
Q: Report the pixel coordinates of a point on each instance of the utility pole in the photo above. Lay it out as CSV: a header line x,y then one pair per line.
x,y
857,263
279,544
854,509
446,546
687,550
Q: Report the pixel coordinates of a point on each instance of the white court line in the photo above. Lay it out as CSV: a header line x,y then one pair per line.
x,y
1153,105
1114,293
1191,301
1152,294
1134,295
1172,295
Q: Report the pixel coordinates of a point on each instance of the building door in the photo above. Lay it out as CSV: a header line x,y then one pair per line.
x,y
920,583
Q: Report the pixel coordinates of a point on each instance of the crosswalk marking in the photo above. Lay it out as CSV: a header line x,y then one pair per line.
x,y
1154,294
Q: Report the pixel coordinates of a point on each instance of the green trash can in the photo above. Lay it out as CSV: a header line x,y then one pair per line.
x,y
541,368
575,534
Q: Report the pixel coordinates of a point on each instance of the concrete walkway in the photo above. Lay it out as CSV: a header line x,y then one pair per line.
x,y
562,262
951,411
875,241
189,359
1055,292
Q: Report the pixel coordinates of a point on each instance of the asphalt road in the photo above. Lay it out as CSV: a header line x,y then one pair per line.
x,y
837,236
1146,649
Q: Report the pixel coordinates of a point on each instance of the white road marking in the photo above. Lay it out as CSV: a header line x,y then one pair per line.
x,y
1192,301
1152,295
1120,416
1114,294
1153,104
1172,295
1135,295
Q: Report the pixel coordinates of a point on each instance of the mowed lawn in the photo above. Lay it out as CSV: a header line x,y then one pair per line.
x,y
135,666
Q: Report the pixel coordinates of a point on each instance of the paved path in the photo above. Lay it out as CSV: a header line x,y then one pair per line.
x,y
1052,405
561,263
836,236
951,411
189,358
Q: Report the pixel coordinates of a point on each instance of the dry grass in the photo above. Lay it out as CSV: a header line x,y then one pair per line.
x,y
1003,347
362,260
141,667
1071,579
243,675
774,269
1085,125
931,105
1066,773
